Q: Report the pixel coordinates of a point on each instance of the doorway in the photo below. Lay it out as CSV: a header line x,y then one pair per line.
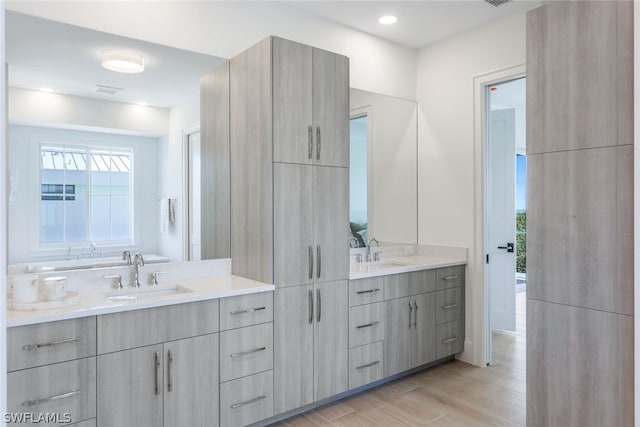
x,y
193,169
505,214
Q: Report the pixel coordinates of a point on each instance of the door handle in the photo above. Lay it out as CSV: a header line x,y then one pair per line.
x,y
169,363
319,260
410,310
310,262
509,247
310,142
319,304
310,306
318,143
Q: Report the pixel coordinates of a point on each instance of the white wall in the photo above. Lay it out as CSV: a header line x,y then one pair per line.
x,y
55,109
446,176
225,29
23,171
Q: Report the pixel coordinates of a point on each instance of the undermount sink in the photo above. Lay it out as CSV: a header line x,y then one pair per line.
x,y
382,265
135,295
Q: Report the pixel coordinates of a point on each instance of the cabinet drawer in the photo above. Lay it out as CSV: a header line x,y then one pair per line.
x,y
366,364
246,351
449,338
407,284
365,291
366,324
448,305
450,277
68,387
45,343
246,310
246,400
138,328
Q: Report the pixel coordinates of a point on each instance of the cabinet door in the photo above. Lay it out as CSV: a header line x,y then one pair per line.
x,y
130,387
293,347
331,339
191,382
293,224
292,117
331,108
424,330
331,222
398,336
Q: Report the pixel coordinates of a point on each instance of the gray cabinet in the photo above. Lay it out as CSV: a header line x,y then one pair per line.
x,y
130,387
310,105
62,388
169,384
289,154
311,207
426,325
311,344
191,382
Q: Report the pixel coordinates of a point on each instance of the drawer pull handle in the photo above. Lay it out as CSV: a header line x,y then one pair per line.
x,y
156,373
51,398
248,402
450,277
244,353
169,380
368,365
367,325
450,306
249,310
49,344
449,340
368,291
310,142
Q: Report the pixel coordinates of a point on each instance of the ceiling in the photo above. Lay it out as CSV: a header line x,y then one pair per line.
x,y
44,53
47,54
419,22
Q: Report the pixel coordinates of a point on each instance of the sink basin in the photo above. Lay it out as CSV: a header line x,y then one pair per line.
x,y
135,295
385,265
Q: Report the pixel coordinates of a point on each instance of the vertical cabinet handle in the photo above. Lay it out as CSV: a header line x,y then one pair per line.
x,y
310,306
310,262
410,310
157,367
319,260
170,362
415,314
310,142
319,304
318,143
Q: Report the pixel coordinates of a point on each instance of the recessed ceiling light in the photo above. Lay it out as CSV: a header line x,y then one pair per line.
x,y
142,103
46,89
122,61
388,19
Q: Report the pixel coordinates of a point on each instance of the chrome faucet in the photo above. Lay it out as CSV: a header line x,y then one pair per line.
x,y
376,255
126,256
353,240
92,251
138,262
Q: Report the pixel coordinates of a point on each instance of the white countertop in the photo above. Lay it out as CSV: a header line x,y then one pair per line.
x,y
403,264
93,301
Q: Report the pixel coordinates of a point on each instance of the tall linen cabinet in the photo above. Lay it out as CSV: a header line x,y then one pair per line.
x,y
580,214
289,213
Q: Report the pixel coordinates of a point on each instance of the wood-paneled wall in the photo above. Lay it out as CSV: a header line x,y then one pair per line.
x,y
580,214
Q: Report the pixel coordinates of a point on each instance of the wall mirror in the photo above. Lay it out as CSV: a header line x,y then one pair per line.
x,y
383,169
97,161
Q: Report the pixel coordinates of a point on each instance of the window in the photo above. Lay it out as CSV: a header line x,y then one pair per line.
x,y
85,195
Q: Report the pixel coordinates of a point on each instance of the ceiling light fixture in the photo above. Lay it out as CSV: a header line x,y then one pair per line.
x,y
122,61
144,104
388,19
46,89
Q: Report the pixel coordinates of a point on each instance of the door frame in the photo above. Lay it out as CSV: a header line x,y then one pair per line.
x,y
480,296
186,224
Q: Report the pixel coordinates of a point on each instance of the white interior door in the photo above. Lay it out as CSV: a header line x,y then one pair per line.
x,y
501,214
195,251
